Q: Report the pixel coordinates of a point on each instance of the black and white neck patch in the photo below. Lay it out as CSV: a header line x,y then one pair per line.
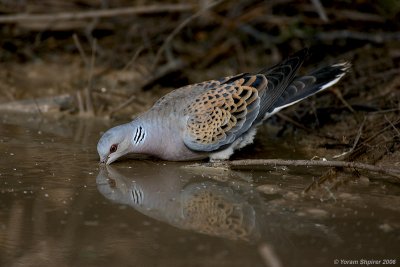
x,y
139,135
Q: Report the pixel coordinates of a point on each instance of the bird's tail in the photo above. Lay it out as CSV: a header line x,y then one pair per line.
x,y
304,86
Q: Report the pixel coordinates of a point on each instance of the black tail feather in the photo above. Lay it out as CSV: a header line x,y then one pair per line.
x,y
279,77
305,86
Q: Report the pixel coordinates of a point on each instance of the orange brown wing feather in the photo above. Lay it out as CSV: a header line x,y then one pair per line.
x,y
220,115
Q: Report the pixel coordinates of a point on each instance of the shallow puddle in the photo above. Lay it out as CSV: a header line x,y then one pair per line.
x,y
58,207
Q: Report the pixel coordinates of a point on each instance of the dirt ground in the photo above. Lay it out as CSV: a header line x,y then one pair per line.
x,y
115,66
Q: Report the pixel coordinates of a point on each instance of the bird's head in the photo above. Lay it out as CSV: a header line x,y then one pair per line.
x,y
115,143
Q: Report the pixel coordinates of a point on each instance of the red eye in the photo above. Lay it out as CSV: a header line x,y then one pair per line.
x,y
113,148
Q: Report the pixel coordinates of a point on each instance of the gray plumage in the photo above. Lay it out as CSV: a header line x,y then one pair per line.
x,y
214,118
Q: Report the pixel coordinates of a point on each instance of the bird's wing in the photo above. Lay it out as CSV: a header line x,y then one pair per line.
x,y
280,78
180,95
218,116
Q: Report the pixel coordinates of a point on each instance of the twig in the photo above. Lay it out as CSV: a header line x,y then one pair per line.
x,y
359,133
355,141
366,141
159,8
339,95
357,15
160,73
215,52
260,35
320,10
384,111
393,126
269,256
179,28
80,103
40,105
88,93
86,109
133,59
378,37
80,49
290,120
37,107
123,104
331,173
7,93
234,164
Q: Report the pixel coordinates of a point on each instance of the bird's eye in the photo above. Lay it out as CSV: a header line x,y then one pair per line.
x,y
113,148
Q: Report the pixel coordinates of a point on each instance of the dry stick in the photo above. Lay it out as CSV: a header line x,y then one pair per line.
x,y
359,133
82,109
88,89
179,28
122,105
133,97
80,103
299,125
80,49
394,172
384,111
288,119
365,142
320,10
7,93
356,15
341,98
159,73
133,59
346,155
393,126
97,13
37,107
269,256
378,37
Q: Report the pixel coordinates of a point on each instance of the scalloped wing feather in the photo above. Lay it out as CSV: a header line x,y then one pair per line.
x,y
221,114
192,91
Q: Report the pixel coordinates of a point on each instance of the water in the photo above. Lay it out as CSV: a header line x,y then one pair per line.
x,y
58,207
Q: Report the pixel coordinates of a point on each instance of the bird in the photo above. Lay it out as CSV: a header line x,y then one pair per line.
x,y
215,118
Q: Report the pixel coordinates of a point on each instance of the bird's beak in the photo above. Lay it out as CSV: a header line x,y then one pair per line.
x,y
104,160
111,158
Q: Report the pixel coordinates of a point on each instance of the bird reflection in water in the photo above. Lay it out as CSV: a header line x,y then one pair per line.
x,y
223,204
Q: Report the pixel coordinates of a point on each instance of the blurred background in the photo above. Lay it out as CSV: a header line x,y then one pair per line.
x,y
115,58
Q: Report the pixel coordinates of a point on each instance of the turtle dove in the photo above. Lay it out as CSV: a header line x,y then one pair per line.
x,y
214,118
